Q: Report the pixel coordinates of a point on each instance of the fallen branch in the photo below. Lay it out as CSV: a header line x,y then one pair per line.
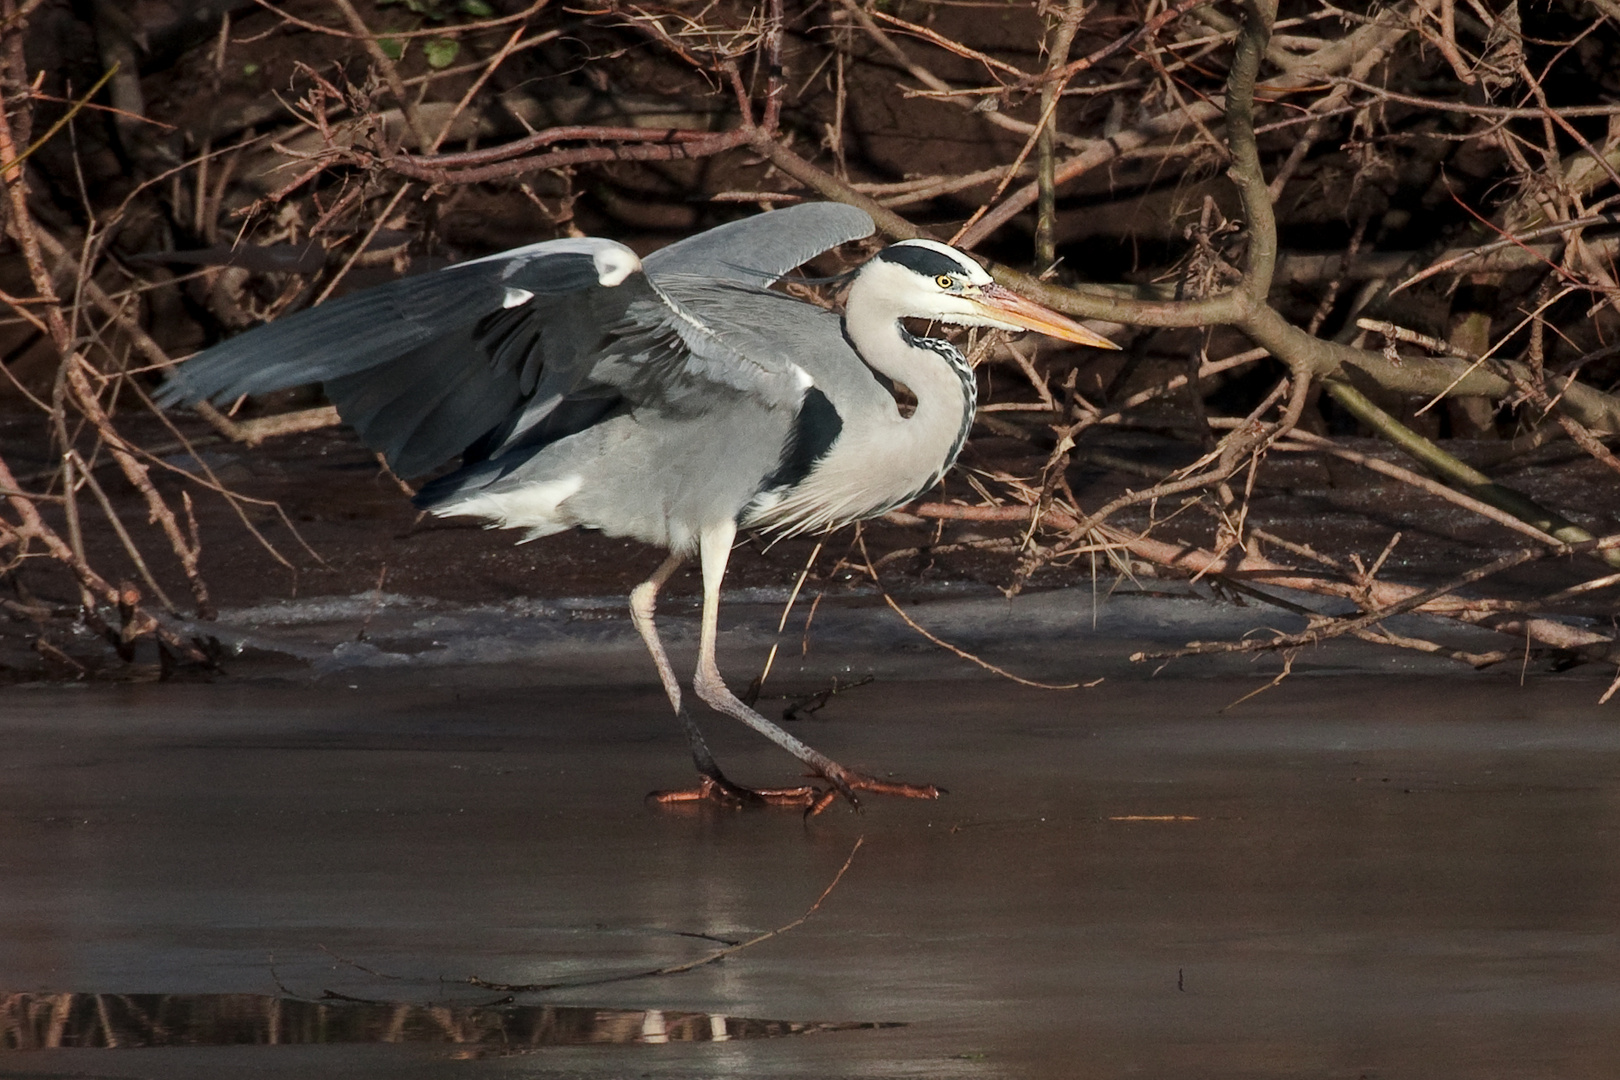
x,y
1382,596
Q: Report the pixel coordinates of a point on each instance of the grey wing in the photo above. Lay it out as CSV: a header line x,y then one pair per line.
x,y
760,249
478,358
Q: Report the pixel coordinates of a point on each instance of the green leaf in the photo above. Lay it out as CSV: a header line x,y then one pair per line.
x,y
393,48
478,9
250,69
441,52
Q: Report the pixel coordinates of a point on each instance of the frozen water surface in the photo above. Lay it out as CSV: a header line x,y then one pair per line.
x,y
1378,868
1066,633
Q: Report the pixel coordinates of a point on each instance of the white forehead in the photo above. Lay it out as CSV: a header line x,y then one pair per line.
x,y
970,270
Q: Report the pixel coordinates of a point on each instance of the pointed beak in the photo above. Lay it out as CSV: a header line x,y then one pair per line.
x,y
1004,305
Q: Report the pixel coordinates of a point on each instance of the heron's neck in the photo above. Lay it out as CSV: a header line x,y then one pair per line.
x,y
881,459
931,369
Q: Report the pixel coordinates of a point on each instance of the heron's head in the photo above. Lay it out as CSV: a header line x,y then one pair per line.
x,y
925,279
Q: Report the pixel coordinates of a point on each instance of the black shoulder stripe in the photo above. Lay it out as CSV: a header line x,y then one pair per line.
x,y
815,429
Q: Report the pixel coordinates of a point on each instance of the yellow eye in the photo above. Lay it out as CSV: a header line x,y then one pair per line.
x,y
944,281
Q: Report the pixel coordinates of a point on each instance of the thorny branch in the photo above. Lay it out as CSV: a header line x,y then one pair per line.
x,y
99,599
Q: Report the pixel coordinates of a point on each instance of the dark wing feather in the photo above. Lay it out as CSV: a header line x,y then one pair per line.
x,y
371,327
425,366
418,410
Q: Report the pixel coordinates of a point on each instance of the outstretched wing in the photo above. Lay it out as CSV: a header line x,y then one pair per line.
x,y
370,327
520,348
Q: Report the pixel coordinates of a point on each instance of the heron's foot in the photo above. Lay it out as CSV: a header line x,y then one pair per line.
x,y
848,781
722,792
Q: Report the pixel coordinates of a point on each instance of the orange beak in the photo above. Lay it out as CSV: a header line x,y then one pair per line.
x,y
1004,305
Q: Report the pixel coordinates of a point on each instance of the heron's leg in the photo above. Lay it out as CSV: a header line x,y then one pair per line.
x,y
715,550
714,786
643,603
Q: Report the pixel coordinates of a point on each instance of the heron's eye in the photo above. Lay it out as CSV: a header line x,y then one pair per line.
x,y
944,281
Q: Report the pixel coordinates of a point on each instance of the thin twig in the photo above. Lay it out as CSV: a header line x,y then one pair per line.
x,y
947,646
676,969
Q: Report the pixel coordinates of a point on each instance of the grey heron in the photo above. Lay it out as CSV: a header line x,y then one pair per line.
x,y
675,399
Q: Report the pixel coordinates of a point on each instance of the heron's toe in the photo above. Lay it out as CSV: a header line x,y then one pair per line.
x,y
895,787
722,792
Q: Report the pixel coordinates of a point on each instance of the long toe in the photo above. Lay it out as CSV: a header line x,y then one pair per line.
x,y
848,781
722,792
861,782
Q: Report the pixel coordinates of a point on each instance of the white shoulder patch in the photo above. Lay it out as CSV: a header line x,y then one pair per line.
x,y
516,297
614,264
802,376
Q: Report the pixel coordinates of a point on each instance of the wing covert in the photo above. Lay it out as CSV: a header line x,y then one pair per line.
x,y
758,250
